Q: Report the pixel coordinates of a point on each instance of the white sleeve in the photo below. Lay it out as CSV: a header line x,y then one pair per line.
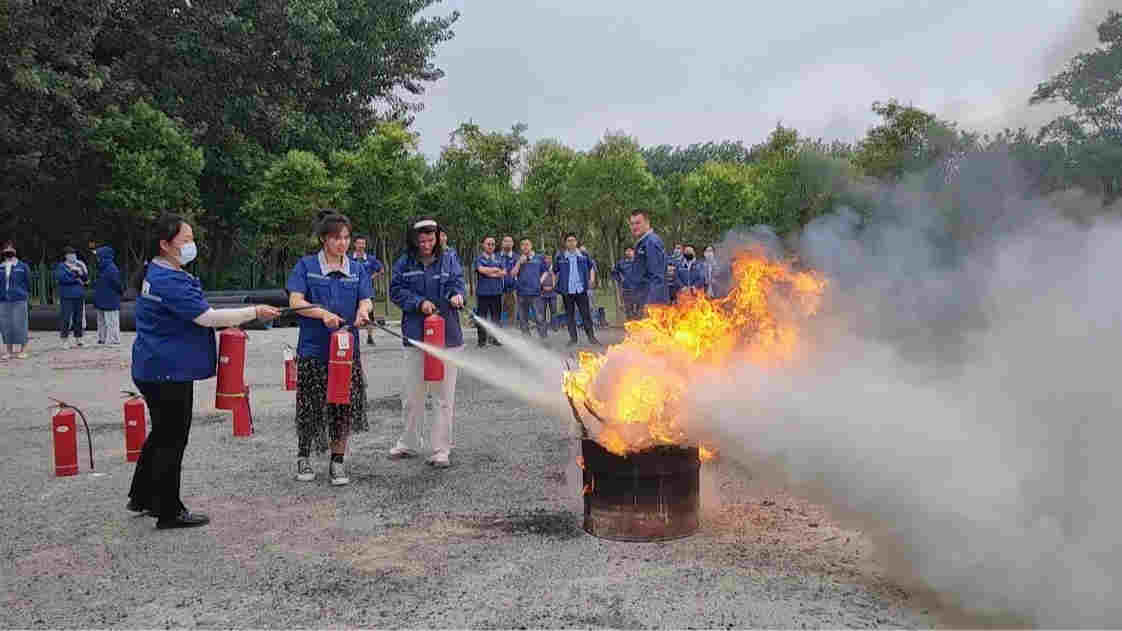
x,y
220,318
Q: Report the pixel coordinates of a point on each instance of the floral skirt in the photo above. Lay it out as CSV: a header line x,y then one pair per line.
x,y
318,421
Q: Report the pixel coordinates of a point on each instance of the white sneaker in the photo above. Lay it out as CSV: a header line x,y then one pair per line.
x,y
439,460
338,474
400,451
4,357
79,342
65,344
304,471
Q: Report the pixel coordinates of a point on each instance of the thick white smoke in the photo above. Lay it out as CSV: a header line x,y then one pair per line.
x,y
959,400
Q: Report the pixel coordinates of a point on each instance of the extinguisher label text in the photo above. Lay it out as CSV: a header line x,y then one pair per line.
x,y
62,429
344,342
225,359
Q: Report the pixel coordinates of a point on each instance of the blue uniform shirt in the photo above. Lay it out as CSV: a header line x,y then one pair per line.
x,y
573,271
622,274
649,270
508,265
692,274
169,346
71,284
108,287
529,281
413,283
15,284
338,291
371,264
486,285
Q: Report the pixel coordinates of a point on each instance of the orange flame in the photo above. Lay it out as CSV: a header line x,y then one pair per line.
x,y
637,386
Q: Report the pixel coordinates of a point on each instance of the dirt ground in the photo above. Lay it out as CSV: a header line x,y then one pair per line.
x,y
493,542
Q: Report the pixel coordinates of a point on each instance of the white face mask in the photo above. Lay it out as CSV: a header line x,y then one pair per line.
x,y
71,258
187,253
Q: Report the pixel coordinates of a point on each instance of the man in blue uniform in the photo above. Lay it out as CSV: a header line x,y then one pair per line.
x,y
490,277
508,257
649,269
691,273
373,268
527,274
574,280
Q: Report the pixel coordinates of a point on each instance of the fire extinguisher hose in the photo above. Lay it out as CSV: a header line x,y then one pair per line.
x,y
62,405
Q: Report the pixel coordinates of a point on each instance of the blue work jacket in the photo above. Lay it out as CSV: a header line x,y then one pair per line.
x,y
413,283
649,270
169,346
529,280
108,287
71,284
338,291
487,285
561,268
15,285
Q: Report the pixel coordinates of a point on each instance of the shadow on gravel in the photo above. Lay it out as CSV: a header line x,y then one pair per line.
x,y
555,524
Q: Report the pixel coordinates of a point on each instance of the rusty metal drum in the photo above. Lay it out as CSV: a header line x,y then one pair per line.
x,y
651,495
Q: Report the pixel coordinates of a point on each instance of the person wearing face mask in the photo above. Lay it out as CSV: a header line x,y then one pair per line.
x,y
691,273
15,287
107,297
342,289
72,276
425,281
626,283
174,347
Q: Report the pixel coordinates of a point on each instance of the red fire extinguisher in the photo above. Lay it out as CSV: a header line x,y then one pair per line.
x,y
65,432
136,428
339,361
289,368
243,417
230,388
434,335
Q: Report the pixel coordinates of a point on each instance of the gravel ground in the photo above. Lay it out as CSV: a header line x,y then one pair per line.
x,y
495,541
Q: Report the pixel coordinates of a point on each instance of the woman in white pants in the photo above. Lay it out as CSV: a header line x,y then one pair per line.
x,y
426,282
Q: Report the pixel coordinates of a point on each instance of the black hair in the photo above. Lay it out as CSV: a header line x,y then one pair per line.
x,y
356,237
330,222
69,250
641,211
166,227
573,235
411,247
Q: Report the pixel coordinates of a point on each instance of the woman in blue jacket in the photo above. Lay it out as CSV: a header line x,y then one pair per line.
x,y
343,290
107,297
15,287
426,282
174,347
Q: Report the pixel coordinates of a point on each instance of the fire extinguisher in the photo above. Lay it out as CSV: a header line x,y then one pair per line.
x,y
339,360
289,368
230,388
434,335
64,429
136,427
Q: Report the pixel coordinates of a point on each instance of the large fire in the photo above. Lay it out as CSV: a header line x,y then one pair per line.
x,y
636,388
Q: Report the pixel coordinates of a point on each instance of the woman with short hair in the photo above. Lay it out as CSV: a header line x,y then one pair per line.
x,y
15,288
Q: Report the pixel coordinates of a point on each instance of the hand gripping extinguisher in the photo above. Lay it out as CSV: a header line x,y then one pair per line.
x,y
136,428
230,389
434,335
289,368
339,363
64,429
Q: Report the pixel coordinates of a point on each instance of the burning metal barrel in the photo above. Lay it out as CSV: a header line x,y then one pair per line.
x,y
651,495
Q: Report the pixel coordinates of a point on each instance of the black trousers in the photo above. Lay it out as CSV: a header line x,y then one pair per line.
x,y
155,481
572,303
490,308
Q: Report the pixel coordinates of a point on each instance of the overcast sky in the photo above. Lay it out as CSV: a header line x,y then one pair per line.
x,y
685,72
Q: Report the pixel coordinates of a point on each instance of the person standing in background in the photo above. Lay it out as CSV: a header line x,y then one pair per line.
x,y
490,277
510,302
710,265
649,270
373,268
108,290
15,288
527,275
691,273
574,279
549,293
622,275
72,276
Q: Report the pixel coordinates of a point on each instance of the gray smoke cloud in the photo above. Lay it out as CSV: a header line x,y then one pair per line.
x,y
958,399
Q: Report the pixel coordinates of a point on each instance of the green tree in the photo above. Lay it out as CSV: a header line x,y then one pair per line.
x,y
284,207
908,140
549,168
153,167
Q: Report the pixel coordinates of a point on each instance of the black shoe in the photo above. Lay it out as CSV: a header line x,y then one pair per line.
x,y
370,341
183,519
495,343
136,507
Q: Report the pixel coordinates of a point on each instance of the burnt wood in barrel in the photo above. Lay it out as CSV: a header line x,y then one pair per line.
x,y
651,495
